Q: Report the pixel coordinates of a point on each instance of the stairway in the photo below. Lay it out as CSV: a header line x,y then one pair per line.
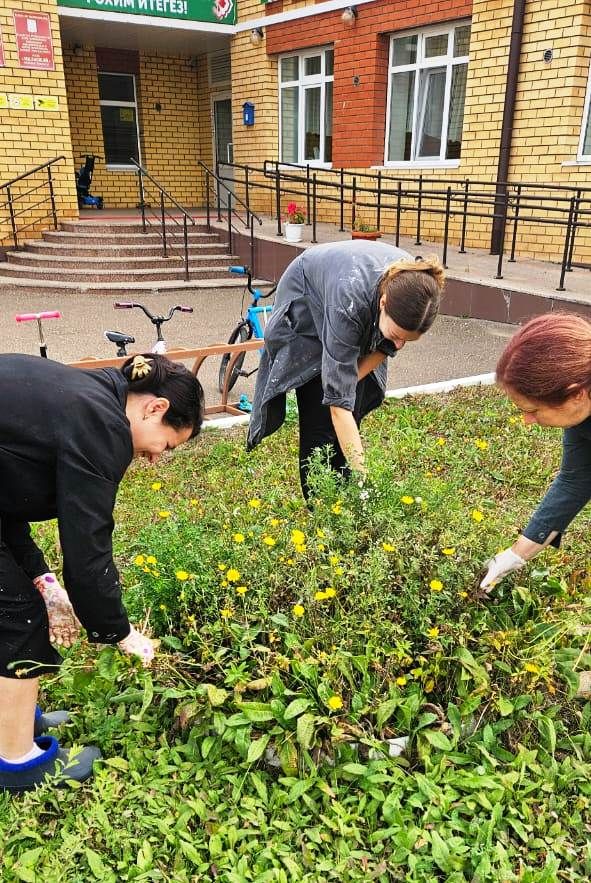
x,y
106,257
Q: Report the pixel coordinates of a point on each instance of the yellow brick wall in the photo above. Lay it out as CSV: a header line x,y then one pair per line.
x,y
31,137
172,139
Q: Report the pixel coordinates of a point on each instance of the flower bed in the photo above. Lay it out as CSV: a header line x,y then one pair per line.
x,y
296,644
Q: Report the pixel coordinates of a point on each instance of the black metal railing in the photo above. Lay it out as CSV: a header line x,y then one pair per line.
x,y
448,207
174,233
225,201
21,204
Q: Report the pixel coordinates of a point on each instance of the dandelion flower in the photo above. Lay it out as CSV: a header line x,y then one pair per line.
x,y
238,537
533,669
329,592
298,537
388,547
274,522
233,575
269,541
477,515
156,485
436,585
255,503
301,548
163,607
164,513
408,501
337,508
449,550
289,561
297,610
151,559
401,681
333,560
335,703
319,596
320,533
193,502
339,571
463,594
241,590
155,573
139,560
513,420
441,441
481,444
226,612
181,575
433,633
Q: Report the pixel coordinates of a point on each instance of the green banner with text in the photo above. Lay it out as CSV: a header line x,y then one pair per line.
x,y
217,11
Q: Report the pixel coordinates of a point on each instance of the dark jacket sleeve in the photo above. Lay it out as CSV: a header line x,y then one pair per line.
x,y
24,550
569,492
85,500
344,326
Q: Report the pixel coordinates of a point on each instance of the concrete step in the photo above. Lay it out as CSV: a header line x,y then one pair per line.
x,y
126,238
142,262
108,274
78,248
10,285
123,227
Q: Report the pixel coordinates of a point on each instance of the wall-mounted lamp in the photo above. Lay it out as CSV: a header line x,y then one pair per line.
x,y
256,36
349,16
78,49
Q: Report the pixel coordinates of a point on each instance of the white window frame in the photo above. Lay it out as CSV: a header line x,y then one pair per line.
x,y
303,83
123,167
585,157
449,62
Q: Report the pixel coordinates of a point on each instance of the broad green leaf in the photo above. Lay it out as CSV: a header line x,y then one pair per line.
x,y
305,730
354,769
385,712
190,852
257,712
95,863
296,707
215,695
119,763
505,706
256,749
438,740
440,852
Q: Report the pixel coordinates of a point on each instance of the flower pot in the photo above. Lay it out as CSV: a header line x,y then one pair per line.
x,y
293,232
365,234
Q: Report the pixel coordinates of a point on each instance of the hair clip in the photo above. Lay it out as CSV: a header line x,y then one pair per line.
x,y
140,367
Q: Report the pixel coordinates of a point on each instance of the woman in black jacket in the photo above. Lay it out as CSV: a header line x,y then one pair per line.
x,y
66,439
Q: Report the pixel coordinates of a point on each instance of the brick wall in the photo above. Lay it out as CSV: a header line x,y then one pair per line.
x,y
31,137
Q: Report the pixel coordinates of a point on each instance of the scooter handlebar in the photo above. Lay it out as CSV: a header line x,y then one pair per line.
x,y
185,309
123,305
30,317
239,270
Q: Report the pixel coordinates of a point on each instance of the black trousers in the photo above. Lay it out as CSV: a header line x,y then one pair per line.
x,y
316,427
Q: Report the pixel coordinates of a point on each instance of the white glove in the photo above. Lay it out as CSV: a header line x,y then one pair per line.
x,y
64,628
499,566
136,644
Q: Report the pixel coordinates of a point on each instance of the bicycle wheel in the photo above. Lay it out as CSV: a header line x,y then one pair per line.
x,y
242,332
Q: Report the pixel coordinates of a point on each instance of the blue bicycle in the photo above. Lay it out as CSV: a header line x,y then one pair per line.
x,y
251,325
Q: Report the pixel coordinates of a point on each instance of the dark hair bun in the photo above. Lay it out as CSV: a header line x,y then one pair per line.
x,y
154,374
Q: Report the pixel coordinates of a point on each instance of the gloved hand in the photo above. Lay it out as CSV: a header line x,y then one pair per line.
x,y
498,567
64,628
136,644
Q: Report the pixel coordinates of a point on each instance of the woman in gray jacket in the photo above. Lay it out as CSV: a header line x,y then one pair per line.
x,y
341,308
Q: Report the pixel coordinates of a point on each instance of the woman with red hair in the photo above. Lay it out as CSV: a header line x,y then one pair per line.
x,y
546,371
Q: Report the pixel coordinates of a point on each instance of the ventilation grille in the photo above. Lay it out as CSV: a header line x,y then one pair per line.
x,y
220,72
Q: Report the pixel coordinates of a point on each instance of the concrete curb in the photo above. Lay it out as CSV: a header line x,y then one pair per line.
x,y
422,389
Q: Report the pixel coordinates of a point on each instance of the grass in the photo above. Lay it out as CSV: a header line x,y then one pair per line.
x,y
295,644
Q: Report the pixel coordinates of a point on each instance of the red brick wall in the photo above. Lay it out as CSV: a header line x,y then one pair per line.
x,y
361,50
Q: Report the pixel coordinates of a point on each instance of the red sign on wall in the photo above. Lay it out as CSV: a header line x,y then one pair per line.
x,y
33,40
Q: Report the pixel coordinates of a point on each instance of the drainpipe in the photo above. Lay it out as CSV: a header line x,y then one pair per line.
x,y
498,227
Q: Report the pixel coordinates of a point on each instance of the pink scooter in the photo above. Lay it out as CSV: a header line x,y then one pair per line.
x,y
29,317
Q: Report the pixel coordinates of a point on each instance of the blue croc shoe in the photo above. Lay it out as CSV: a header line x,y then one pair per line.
x,y
57,764
47,720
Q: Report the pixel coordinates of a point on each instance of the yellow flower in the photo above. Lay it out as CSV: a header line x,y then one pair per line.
x,y
436,585
337,507
301,548
298,537
164,513
428,475
321,547
181,575
433,633
320,533
329,592
289,561
269,541
450,550
146,569
529,666
155,573
333,560
441,441
238,537
151,560
255,503
226,613
408,501
222,567
139,560
477,515
339,571
335,702
463,594
388,547
297,610
156,485
274,522
513,420
163,607
233,575
193,502
241,590
401,681
481,444
319,596
224,583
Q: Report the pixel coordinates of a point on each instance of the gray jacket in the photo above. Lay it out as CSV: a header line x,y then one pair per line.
x,y
324,319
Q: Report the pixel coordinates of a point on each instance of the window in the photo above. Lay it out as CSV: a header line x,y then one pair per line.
x,y
305,107
119,117
426,93
585,140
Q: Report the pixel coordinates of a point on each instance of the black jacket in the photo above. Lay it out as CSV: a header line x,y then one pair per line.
x,y
65,444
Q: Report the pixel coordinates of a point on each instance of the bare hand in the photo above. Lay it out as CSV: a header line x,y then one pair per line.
x,y
136,644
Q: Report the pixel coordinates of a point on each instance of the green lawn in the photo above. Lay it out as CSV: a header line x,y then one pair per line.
x,y
296,643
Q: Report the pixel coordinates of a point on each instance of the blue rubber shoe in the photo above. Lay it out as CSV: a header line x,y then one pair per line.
x,y
55,764
48,720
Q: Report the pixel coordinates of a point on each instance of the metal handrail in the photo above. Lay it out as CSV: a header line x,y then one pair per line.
x,y
221,181
11,198
145,172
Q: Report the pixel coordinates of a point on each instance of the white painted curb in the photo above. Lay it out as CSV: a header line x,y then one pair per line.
x,y
421,389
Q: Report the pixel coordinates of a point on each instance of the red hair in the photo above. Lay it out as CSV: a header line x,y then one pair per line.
x,y
548,359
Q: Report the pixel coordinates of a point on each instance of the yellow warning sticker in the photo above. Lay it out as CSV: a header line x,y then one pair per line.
x,y
20,102
3,100
46,102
